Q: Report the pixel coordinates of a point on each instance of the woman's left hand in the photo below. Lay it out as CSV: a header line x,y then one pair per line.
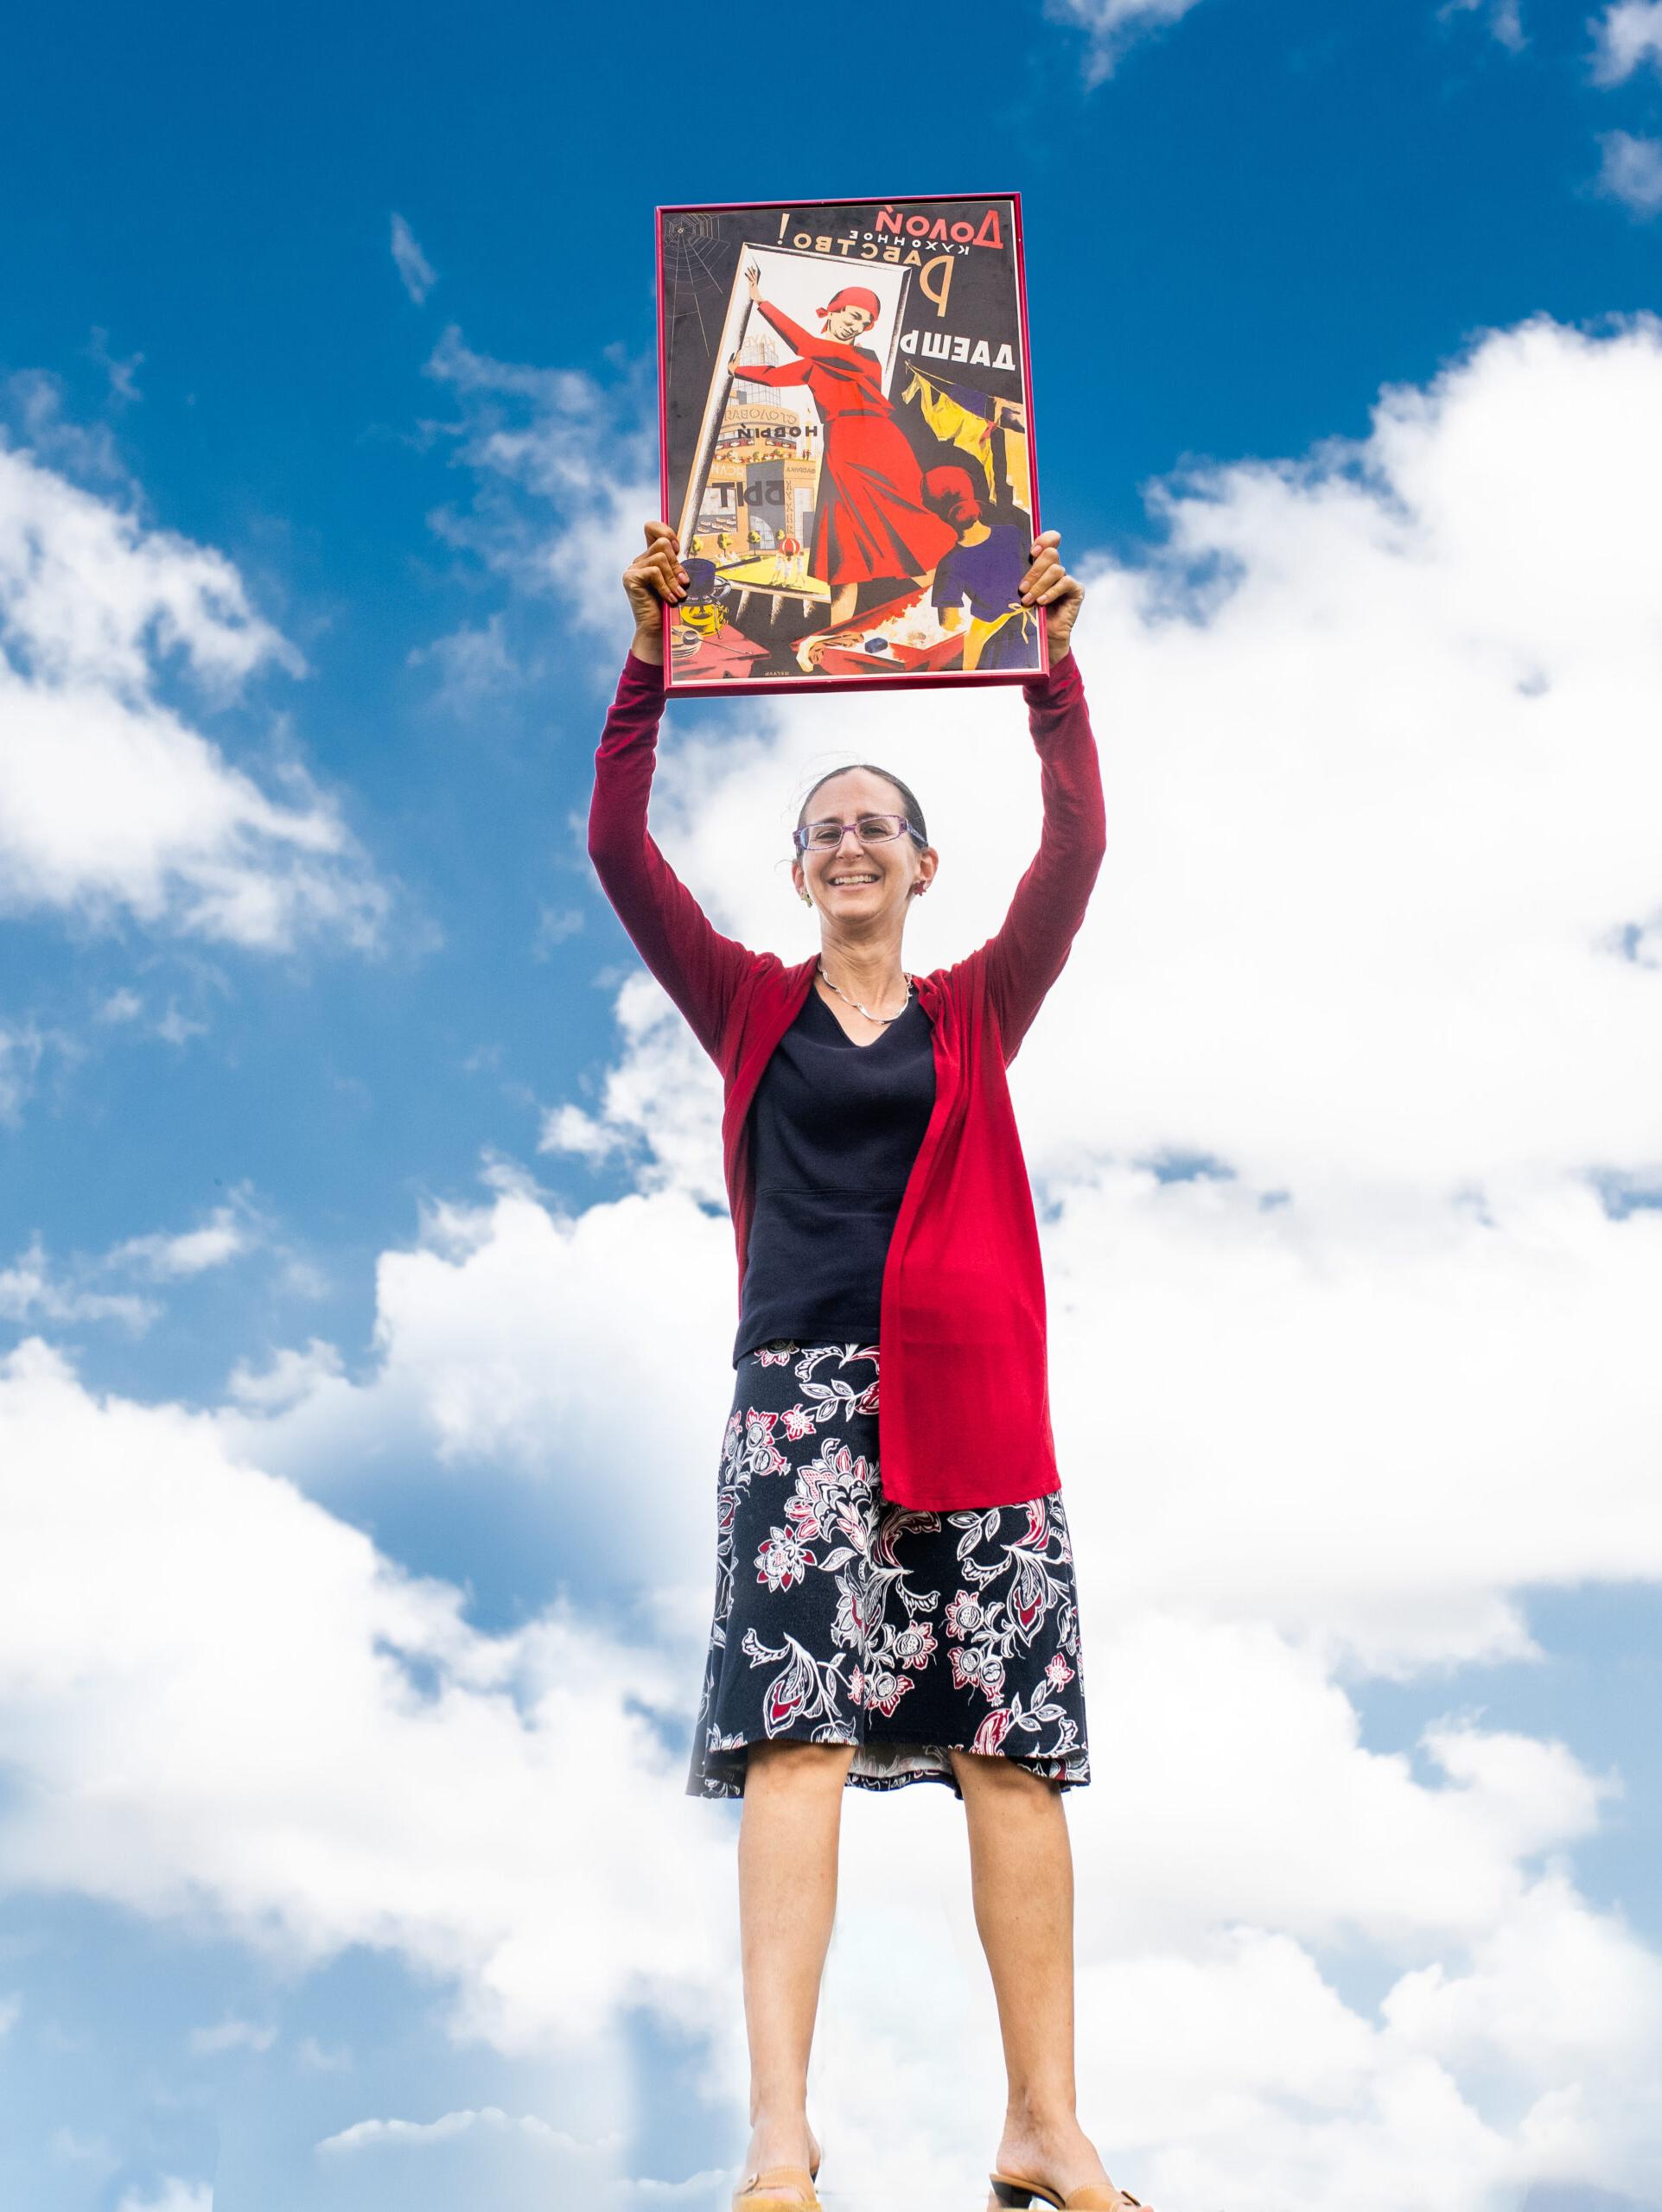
x,y
1047,584
753,279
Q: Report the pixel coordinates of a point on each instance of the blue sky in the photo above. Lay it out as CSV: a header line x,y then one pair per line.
x,y
362,1276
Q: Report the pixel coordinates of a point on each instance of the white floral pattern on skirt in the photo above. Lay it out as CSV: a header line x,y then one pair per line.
x,y
841,1617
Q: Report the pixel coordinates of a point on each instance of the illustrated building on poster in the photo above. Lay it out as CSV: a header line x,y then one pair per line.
x,y
847,443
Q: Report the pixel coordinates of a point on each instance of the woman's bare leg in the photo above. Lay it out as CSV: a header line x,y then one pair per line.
x,y
841,606
788,1834
1022,1868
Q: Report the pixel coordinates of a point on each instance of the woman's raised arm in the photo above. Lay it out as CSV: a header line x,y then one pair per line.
x,y
700,968
1030,948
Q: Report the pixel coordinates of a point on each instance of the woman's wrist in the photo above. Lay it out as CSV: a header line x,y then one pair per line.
x,y
648,645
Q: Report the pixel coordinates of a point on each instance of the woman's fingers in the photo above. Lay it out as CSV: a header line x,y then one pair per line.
x,y
659,571
659,566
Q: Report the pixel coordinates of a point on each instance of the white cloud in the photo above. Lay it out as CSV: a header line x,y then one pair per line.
x,y
511,1337
415,270
112,803
170,2195
1504,17
366,2134
1113,25
21,1053
554,925
30,1291
566,469
474,665
225,1235
33,1290
316,2058
231,2035
1377,734
1626,35
1631,171
224,1706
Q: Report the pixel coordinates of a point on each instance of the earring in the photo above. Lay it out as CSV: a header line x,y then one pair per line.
x,y
806,901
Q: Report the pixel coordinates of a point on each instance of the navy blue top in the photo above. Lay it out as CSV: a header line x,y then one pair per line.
x,y
989,577
834,1128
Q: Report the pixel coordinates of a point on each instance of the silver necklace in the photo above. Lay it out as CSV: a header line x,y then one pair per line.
x,y
882,1019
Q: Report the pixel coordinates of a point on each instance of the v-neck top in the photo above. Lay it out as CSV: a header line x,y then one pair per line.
x,y
835,1127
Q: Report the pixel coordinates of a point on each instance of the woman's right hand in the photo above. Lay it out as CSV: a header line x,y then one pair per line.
x,y
654,579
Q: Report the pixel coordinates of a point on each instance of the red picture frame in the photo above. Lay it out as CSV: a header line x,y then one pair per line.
x,y
854,511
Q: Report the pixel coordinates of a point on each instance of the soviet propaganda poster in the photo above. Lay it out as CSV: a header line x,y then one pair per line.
x,y
846,443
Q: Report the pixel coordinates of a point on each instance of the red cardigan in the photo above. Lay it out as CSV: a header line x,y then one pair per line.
x,y
965,1417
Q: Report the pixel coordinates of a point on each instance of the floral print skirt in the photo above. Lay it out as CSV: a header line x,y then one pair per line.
x,y
841,1617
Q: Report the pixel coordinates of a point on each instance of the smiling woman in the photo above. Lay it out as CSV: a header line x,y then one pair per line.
x,y
901,1607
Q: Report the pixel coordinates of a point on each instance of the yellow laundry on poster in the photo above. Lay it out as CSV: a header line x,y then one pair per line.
x,y
952,424
1017,474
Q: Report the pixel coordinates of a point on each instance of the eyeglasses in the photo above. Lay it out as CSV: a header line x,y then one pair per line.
x,y
869,829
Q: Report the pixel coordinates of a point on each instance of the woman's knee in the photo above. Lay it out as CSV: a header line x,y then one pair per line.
x,y
785,1761
984,1772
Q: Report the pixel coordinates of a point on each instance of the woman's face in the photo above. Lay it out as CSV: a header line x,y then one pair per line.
x,y
861,884
845,324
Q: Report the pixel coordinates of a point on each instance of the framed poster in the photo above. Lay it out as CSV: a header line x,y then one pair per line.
x,y
846,444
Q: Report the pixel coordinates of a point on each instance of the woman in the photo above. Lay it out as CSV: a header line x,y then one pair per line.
x,y
984,568
872,522
879,1623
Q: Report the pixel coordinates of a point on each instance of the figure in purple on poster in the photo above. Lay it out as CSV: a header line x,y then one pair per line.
x,y
985,570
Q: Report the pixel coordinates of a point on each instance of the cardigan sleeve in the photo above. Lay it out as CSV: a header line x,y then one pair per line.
x,y
701,970
1024,958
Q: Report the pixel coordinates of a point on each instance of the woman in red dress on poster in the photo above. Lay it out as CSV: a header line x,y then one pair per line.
x,y
871,521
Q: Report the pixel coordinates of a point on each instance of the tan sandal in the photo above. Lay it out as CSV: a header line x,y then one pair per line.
x,y
1011,2191
756,2193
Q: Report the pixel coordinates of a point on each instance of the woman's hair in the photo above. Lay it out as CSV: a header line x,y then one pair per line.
x,y
950,493
912,811
853,295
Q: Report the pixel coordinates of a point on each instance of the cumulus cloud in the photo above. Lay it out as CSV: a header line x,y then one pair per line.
x,y
474,664
31,1290
565,467
1504,17
1626,36
170,2195
231,2035
1358,1037
415,271
1348,1353
1631,171
366,2134
112,804
21,1050
225,1235
1113,25
220,1704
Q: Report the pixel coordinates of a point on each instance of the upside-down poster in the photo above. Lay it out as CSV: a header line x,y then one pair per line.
x,y
846,442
